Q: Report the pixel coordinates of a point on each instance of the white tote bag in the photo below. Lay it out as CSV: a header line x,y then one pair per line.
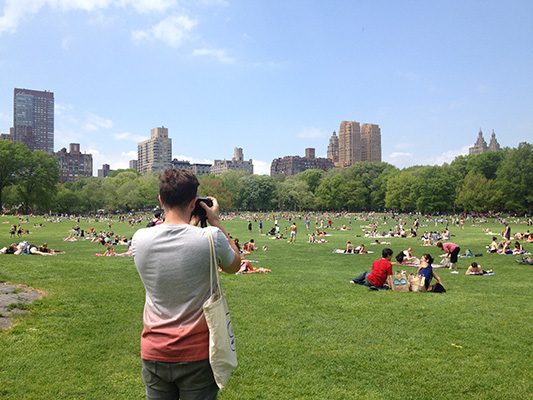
x,y
222,351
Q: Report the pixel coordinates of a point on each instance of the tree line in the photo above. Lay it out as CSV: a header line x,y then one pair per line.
x,y
491,181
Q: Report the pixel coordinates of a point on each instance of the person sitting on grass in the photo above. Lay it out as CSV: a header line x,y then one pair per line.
x,y
506,249
381,269
493,247
518,249
475,269
349,247
426,270
409,258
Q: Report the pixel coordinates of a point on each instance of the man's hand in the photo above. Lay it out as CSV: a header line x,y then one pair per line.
x,y
212,212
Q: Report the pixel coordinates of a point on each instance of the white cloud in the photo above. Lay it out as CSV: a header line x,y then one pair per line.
x,y
219,55
261,167
310,132
16,11
404,159
131,154
95,122
130,136
172,31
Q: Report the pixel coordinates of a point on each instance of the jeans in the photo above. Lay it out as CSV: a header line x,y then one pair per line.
x,y
179,380
363,280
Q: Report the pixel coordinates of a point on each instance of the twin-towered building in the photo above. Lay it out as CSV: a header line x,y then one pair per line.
x,y
481,146
355,143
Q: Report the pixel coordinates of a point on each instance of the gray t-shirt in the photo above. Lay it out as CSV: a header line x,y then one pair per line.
x,y
173,263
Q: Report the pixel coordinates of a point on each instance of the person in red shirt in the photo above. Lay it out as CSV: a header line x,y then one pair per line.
x,y
380,270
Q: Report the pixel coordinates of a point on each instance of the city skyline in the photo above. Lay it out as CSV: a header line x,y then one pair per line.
x,y
224,74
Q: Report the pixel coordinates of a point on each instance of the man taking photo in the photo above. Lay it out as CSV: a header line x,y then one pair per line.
x,y
173,262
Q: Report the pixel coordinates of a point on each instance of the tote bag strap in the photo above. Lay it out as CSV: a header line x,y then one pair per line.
x,y
213,265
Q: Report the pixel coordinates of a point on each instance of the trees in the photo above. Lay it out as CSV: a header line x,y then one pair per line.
x,y
434,190
477,193
13,157
39,181
257,192
398,195
515,177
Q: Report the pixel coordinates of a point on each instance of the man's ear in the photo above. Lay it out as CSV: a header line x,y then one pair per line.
x,y
192,204
160,201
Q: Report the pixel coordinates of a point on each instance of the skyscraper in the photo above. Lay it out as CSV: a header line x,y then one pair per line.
x,y
370,143
333,148
349,143
155,154
33,119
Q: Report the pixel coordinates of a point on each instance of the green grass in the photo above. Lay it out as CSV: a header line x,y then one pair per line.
x,y
303,331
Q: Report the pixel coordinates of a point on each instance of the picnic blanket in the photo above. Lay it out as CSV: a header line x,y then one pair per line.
x,y
340,251
418,265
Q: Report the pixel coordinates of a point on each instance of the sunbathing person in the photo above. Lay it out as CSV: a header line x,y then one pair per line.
x,y
506,248
45,249
475,269
493,247
518,249
349,247
360,249
408,257
23,248
70,238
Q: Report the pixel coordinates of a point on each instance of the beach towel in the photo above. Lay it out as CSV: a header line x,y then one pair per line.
x,y
340,251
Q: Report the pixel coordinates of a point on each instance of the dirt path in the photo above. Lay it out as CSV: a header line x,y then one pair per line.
x,y
11,295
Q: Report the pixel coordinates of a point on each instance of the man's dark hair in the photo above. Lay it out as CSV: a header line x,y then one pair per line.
x,y
177,187
386,252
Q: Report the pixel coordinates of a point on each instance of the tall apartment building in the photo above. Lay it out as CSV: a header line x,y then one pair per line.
x,y
74,163
349,143
481,146
33,119
237,163
155,154
293,165
370,143
133,164
356,143
333,148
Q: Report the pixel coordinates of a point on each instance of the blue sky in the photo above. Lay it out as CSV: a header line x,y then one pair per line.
x,y
273,77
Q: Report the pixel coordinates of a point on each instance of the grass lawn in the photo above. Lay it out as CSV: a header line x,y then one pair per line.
x,y
303,331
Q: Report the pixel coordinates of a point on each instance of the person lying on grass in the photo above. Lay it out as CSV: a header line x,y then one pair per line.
x,y
25,247
475,269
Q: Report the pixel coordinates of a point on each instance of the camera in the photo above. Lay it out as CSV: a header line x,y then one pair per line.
x,y
200,212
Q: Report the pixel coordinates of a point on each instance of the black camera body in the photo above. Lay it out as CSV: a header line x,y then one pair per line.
x,y
200,212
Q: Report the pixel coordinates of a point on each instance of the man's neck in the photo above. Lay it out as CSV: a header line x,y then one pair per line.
x,y
177,216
